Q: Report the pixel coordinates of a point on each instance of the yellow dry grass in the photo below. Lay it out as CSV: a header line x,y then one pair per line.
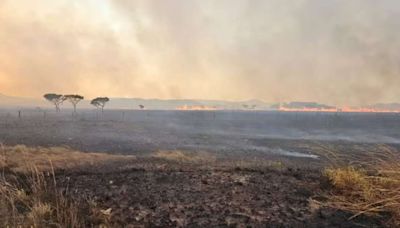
x,y
181,156
368,187
21,158
29,195
36,201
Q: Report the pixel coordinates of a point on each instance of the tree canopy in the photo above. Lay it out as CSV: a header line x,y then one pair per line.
x,y
74,99
100,102
55,99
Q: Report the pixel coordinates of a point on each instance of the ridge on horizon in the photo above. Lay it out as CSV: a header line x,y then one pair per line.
x,y
154,98
160,103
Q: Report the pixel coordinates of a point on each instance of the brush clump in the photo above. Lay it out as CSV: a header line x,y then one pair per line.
x,y
368,188
30,195
33,200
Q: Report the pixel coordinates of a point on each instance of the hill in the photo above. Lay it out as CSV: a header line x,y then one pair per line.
x,y
134,103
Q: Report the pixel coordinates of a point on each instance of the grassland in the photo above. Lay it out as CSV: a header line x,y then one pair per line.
x,y
61,187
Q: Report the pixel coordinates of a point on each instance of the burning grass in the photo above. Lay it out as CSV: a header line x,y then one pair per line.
x,y
368,187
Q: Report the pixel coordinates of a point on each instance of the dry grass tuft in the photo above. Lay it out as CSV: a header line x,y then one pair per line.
x,y
349,179
29,195
35,201
180,156
20,158
368,187
40,212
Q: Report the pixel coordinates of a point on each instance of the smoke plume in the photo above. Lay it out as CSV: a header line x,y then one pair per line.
x,y
329,51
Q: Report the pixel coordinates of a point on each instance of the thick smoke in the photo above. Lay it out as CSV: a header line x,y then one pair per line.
x,y
329,51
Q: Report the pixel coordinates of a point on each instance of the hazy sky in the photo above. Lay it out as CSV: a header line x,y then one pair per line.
x,y
331,51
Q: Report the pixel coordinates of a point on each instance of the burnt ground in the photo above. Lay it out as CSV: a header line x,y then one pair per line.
x,y
159,193
262,134
153,192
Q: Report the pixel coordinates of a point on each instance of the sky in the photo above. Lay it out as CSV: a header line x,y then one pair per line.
x,y
339,52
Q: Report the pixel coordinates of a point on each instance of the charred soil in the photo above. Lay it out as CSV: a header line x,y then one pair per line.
x,y
154,192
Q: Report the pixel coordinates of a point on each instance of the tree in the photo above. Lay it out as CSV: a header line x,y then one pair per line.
x,y
55,99
100,102
74,99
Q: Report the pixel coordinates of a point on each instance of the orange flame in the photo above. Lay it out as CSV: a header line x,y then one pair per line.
x,y
196,108
371,110
283,109
342,109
